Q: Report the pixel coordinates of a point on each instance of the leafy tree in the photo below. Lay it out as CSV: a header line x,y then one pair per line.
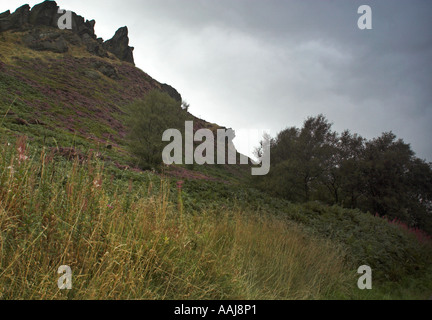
x,y
381,175
399,185
349,176
385,166
300,159
419,181
148,119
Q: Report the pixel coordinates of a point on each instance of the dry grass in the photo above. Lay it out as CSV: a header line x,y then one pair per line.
x,y
129,242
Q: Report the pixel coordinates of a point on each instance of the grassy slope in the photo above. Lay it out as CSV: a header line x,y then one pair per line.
x,y
77,105
136,241
134,235
214,243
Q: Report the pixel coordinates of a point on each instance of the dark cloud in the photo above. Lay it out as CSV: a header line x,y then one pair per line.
x,y
253,64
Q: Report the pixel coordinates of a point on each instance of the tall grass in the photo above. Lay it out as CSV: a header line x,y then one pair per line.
x,y
128,241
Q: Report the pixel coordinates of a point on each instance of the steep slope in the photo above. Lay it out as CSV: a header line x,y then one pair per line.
x,y
68,87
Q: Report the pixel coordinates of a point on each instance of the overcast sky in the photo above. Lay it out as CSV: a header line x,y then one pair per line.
x,y
269,64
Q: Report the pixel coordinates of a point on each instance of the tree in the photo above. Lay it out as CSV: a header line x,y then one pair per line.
x,y
301,159
420,184
385,167
348,169
148,119
381,175
315,150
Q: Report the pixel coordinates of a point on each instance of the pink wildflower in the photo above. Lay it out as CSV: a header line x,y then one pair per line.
x,y
180,184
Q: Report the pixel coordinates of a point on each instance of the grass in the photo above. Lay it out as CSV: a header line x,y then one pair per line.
x,y
127,241
133,235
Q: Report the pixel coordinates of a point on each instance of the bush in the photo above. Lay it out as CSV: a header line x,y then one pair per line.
x,y
148,119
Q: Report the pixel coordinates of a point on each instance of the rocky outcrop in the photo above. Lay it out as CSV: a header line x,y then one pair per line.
x,y
42,41
41,32
46,14
5,14
119,45
94,46
173,93
16,20
82,26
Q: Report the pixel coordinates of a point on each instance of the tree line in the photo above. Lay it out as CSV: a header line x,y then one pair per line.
x,y
381,176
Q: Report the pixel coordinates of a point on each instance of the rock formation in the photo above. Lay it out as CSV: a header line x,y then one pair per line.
x,y
119,45
171,92
46,14
42,33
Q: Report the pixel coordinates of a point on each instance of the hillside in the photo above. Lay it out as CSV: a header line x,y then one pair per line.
x,y
67,87
71,194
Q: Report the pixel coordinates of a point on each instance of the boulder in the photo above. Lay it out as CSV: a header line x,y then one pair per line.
x,y
44,13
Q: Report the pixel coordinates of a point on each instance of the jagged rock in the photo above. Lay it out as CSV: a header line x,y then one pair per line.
x,y
44,13
94,46
4,21
81,27
119,45
16,20
173,93
4,14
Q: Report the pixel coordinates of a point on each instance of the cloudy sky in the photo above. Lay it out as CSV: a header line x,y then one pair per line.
x,y
258,65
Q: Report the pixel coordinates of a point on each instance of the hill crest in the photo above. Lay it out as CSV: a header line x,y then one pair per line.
x,y
47,14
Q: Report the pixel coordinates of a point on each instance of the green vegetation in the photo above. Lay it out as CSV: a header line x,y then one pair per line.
x,y
381,176
126,240
148,119
74,141
127,235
